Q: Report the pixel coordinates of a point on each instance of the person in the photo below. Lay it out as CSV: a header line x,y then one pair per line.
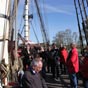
x,y
48,54
63,53
73,65
20,71
32,77
27,56
54,61
83,69
42,53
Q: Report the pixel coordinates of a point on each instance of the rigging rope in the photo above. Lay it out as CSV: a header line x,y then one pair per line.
x,y
3,69
21,19
45,38
34,32
87,2
34,20
46,22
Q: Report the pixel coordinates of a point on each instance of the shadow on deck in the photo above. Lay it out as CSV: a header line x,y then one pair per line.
x,y
62,82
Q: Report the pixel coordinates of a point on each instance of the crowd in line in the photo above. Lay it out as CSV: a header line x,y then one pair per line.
x,y
35,61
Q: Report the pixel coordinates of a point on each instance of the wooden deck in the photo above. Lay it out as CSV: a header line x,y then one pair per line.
x,y
62,82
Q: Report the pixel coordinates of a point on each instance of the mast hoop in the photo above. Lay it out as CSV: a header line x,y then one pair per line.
x,y
4,16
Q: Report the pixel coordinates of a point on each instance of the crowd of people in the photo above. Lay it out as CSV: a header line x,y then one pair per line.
x,y
36,62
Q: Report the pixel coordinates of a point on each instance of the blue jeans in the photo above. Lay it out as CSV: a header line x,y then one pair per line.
x,y
85,82
73,80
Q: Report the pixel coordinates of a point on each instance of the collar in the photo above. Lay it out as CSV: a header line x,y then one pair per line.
x,y
32,71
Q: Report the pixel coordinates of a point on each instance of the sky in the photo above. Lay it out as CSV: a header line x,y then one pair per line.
x,y
58,15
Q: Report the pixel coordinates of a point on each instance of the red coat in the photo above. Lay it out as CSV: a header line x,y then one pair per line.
x,y
84,68
73,61
64,55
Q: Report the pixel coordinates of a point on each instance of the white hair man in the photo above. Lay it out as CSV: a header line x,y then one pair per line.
x,y
32,77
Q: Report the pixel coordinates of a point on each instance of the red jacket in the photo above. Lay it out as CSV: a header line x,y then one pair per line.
x,y
19,51
73,61
64,55
84,68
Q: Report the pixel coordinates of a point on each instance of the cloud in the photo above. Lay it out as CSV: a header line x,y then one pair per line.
x,y
61,9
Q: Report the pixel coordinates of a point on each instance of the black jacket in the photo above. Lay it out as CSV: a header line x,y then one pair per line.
x,y
33,80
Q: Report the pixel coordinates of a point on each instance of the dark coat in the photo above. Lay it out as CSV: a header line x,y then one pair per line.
x,y
33,80
84,68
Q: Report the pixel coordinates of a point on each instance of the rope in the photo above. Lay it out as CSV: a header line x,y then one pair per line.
x,y
45,37
21,19
46,22
34,32
3,70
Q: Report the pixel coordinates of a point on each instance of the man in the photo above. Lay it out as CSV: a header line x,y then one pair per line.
x,y
84,68
73,65
32,77
54,61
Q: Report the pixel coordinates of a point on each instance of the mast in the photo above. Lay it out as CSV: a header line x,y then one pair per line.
x,y
26,26
4,30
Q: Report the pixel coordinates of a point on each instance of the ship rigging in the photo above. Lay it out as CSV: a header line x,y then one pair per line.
x,y
12,30
9,32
